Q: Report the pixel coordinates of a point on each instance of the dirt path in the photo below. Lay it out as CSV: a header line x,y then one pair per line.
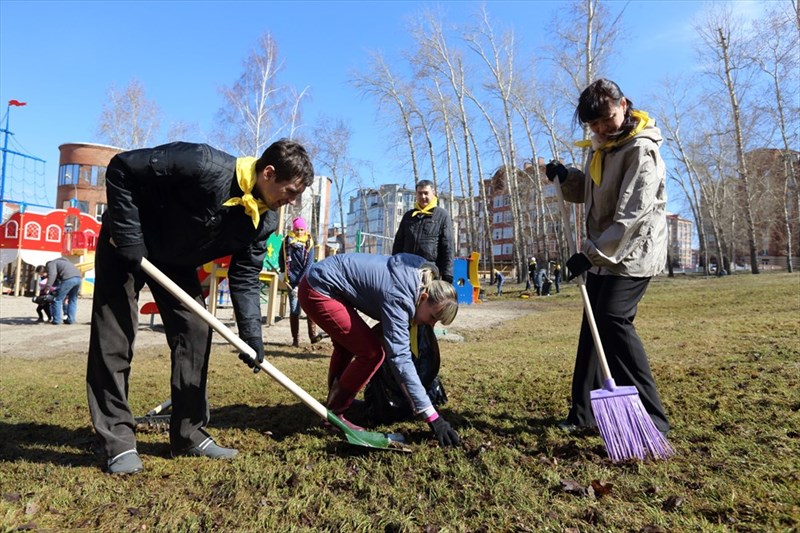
x,y
21,336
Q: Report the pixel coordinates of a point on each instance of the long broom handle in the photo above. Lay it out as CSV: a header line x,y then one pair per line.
x,y
231,337
587,306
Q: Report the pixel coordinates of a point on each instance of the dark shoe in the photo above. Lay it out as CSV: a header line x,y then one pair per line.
x,y
68,322
568,427
208,448
125,463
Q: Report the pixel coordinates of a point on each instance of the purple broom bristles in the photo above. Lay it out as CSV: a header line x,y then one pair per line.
x,y
627,430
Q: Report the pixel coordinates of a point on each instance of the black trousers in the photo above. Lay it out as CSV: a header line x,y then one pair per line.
x,y
115,319
614,301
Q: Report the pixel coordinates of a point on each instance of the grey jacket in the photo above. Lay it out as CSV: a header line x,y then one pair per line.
x,y
626,223
59,270
385,289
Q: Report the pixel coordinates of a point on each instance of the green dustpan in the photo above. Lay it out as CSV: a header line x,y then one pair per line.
x,y
368,439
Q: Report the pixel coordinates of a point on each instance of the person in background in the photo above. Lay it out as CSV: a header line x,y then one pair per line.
x,y
398,291
557,276
180,205
296,258
532,275
499,279
624,189
67,277
427,231
45,298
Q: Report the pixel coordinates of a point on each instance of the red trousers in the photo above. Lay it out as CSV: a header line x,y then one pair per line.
x,y
357,351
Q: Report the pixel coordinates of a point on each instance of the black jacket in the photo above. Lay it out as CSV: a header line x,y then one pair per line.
x,y
430,236
170,197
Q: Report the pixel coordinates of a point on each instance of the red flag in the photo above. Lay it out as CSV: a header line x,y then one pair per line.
x,y
17,103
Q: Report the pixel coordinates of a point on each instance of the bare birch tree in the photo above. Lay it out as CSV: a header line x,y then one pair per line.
x,y
258,110
381,82
721,45
498,55
332,138
774,50
129,120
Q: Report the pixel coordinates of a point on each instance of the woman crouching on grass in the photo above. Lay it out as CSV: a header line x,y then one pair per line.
x,y
397,291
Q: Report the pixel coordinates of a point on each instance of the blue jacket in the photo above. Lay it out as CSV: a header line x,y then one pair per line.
x,y
385,289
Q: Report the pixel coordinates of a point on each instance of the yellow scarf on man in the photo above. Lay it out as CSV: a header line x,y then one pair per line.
x,y
428,210
596,166
246,177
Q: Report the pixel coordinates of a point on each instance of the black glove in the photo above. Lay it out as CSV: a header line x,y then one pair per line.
x,y
555,168
445,434
577,265
131,255
258,346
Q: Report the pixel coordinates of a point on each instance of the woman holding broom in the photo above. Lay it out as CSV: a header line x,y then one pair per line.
x,y
624,189
397,291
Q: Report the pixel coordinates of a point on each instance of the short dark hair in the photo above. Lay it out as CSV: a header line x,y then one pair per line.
x,y
424,183
596,99
290,161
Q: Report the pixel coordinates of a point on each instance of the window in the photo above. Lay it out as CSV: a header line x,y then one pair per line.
x,y
53,233
12,229
99,209
33,231
68,174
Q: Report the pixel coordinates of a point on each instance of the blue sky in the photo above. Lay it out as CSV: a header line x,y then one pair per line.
x,y
61,57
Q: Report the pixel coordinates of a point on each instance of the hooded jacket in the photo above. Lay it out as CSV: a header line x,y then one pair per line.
x,y
385,289
170,197
626,223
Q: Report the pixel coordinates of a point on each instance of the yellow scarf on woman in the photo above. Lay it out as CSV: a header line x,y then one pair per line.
x,y
428,210
246,177
596,166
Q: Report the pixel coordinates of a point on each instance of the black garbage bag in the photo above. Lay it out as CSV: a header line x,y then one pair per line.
x,y
384,398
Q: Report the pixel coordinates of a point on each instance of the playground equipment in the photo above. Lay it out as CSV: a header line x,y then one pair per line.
x,y
466,279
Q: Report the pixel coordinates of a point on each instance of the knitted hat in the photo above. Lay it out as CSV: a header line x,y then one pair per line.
x,y
299,223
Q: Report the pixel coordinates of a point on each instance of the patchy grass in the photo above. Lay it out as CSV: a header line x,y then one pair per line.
x,y
725,353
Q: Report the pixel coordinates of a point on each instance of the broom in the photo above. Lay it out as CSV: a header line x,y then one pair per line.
x,y
627,430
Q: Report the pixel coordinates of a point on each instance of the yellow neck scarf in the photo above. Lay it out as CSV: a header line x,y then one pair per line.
x,y
296,238
246,177
596,166
414,336
428,211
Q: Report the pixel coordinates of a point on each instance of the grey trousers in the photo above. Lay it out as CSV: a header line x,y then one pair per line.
x,y
614,302
115,318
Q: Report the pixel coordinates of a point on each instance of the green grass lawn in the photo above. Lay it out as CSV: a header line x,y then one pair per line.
x,y
725,353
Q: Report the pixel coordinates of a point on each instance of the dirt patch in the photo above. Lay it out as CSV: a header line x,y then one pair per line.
x,y
22,337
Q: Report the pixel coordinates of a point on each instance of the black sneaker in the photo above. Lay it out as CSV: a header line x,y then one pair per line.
x,y
125,463
208,448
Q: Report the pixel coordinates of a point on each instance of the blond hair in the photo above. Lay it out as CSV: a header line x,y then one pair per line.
x,y
439,292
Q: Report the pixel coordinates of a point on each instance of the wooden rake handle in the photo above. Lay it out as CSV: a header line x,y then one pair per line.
x,y
587,306
231,337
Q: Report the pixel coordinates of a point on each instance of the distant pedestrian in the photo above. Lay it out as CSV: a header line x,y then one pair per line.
x,y
295,260
531,275
45,299
499,279
557,277
65,275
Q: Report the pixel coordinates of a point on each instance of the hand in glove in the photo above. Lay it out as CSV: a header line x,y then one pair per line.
x,y
555,168
131,255
258,346
577,265
445,434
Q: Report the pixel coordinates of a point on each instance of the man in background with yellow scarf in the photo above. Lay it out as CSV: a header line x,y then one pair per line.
x,y
180,205
427,231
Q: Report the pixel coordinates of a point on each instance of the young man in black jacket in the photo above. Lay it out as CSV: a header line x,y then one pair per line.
x,y
427,231
181,205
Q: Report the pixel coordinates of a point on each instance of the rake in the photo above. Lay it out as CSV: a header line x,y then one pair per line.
x,y
627,430
368,439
